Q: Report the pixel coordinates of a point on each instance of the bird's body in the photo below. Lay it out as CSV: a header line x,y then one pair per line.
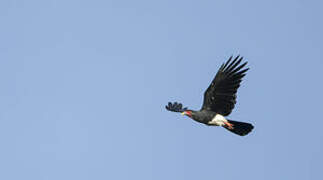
x,y
204,116
210,118
220,99
218,120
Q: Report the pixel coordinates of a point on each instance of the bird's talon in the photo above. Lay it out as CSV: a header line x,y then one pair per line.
x,y
229,125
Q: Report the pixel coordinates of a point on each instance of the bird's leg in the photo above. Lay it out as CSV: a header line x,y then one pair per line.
x,y
229,125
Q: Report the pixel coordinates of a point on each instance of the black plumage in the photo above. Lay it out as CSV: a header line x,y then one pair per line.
x,y
220,96
220,99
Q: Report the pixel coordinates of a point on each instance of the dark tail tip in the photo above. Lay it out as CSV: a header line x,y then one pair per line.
x,y
240,128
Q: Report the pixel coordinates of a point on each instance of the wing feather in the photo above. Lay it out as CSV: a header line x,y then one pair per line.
x,y
220,96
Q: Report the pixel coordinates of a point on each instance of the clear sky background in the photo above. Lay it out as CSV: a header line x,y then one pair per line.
x,y
84,85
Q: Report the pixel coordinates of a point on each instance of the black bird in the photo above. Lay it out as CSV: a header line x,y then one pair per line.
x,y
219,99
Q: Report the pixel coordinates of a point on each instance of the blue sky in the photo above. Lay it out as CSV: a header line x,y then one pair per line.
x,y
84,84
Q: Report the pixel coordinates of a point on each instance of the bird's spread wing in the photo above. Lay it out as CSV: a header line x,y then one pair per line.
x,y
176,107
220,96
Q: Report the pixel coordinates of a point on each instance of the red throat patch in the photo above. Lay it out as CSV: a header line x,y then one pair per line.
x,y
189,113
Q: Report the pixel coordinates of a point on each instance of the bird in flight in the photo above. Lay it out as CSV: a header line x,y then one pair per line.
x,y
220,99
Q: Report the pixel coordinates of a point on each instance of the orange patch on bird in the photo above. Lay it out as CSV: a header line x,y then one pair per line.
x,y
189,113
230,126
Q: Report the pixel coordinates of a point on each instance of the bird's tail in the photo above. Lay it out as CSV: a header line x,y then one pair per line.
x,y
240,128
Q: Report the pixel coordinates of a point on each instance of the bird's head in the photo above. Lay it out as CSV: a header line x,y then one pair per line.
x,y
178,107
188,113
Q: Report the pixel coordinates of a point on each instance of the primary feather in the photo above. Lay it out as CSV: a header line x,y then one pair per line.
x,y
220,96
